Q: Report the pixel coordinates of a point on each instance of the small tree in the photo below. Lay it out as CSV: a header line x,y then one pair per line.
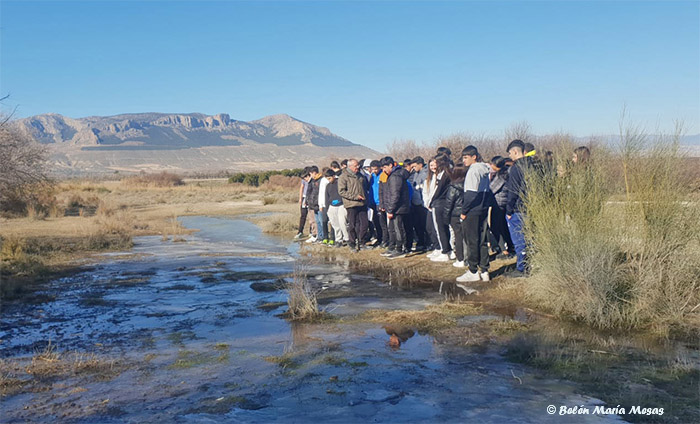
x,y
23,162
521,131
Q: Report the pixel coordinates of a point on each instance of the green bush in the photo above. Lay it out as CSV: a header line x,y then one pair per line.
x,y
255,179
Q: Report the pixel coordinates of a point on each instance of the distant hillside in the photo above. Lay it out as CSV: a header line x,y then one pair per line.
x,y
190,142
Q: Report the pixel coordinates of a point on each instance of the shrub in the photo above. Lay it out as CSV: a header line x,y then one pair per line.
x,y
283,181
114,230
279,223
36,200
77,205
13,248
269,200
23,166
163,179
634,265
257,178
252,180
301,299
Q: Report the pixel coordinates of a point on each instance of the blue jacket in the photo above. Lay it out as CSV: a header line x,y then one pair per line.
x,y
374,189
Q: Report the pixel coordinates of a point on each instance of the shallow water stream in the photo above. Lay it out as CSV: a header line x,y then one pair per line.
x,y
204,346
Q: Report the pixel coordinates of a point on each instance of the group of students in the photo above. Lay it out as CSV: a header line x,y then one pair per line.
x,y
455,211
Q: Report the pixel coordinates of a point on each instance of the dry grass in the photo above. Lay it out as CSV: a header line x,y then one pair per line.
x,y
173,227
282,223
280,197
163,179
428,320
37,373
301,299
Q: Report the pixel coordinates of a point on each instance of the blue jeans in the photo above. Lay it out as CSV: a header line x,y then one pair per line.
x,y
320,234
515,227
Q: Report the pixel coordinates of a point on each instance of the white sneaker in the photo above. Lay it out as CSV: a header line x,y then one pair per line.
x,y
311,239
442,257
469,277
459,264
452,255
484,276
434,253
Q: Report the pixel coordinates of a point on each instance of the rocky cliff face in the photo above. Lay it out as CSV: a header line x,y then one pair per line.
x,y
175,131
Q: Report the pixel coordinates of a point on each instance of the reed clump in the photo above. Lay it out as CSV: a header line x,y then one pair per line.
x,y
302,298
633,264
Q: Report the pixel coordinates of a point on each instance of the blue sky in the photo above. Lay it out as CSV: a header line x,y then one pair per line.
x,y
370,71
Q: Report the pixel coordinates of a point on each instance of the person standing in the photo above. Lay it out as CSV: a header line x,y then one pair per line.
x,y
453,210
475,207
352,188
437,205
303,205
397,205
323,207
430,226
336,212
499,225
312,198
515,210
378,217
419,213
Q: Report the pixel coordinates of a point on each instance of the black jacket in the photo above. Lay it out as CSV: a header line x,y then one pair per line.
x,y
396,192
516,186
453,201
312,196
498,187
332,196
440,190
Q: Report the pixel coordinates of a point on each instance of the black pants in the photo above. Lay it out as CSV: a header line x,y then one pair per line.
x,y
417,218
397,233
302,218
431,231
459,237
324,220
410,236
474,229
379,229
357,224
499,229
443,227
384,225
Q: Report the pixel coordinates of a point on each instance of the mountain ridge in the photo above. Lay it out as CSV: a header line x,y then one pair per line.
x,y
186,142
184,129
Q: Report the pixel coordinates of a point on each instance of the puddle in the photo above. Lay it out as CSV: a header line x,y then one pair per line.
x,y
209,348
